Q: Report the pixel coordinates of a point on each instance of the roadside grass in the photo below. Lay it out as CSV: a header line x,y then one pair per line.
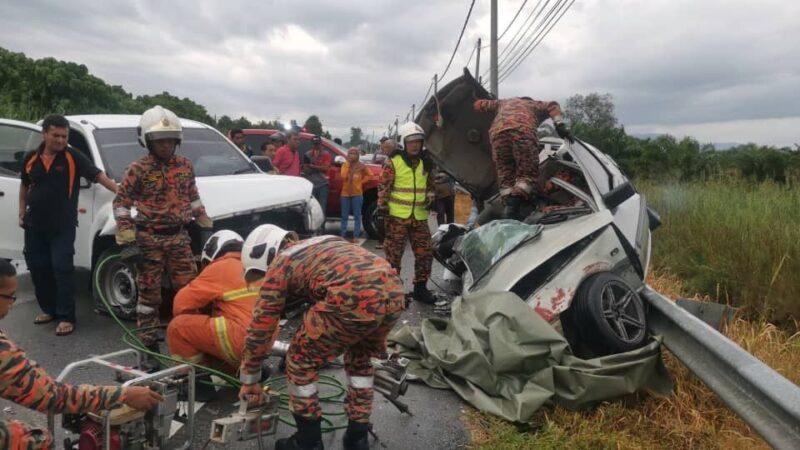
x,y
736,241
692,417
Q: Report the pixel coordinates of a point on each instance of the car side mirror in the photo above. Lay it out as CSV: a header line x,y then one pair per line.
x,y
618,195
339,160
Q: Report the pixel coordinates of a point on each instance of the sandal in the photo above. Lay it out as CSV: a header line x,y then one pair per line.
x,y
65,328
43,318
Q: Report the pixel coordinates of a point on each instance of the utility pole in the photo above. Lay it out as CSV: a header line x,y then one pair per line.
x,y
413,111
478,61
493,52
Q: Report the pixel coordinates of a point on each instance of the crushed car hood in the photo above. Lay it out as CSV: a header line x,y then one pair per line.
x,y
458,137
225,196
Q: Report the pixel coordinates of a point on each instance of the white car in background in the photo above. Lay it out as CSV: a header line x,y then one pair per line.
x,y
236,194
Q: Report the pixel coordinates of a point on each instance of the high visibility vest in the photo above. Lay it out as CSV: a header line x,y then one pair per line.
x,y
408,192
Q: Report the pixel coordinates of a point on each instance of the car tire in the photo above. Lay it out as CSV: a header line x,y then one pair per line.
x,y
607,316
115,280
368,219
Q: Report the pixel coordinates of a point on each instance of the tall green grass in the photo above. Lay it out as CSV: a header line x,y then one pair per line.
x,y
733,240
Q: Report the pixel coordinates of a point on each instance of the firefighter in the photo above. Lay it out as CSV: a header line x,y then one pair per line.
x,y
24,382
215,337
161,185
405,196
357,298
515,146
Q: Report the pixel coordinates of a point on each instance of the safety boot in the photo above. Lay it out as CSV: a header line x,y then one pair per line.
x,y
307,437
422,294
511,210
355,438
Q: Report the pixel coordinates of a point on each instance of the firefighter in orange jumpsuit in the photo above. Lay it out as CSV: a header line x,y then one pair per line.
x,y
212,312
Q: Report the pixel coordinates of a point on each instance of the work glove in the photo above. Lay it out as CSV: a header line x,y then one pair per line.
x,y
564,132
131,253
379,217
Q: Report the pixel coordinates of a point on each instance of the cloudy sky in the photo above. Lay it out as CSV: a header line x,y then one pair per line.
x,y
720,70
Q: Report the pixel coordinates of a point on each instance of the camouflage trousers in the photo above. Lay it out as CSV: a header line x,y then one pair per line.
x,y
516,160
358,340
394,244
161,255
19,435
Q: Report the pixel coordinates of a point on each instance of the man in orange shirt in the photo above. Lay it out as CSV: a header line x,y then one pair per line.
x,y
213,311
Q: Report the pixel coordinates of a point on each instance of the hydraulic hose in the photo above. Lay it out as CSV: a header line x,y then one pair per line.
x,y
277,384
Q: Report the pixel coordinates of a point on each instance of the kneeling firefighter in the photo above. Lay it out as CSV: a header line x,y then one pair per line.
x,y
406,194
212,312
161,185
357,298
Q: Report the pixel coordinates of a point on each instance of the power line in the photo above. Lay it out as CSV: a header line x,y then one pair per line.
x,y
529,51
512,20
466,21
532,29
425,99
514,41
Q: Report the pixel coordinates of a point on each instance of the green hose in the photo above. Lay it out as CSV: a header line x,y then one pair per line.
x,y
132,340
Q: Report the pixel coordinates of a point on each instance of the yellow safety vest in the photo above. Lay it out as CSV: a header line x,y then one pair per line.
x,y
408,192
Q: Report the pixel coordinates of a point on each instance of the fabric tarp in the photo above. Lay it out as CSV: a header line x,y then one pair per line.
x,y
503,358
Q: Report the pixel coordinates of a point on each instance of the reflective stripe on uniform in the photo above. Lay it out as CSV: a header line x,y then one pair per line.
x,y
122,212
250,378
144,309
196,204
408,197
304,391
221,328
196,359
360,382
238,294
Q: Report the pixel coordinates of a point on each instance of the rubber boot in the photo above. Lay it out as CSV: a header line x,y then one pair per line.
x,y
204,390
511,211
422,294
307,437
149,363
355,438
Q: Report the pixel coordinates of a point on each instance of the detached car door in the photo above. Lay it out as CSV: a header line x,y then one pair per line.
x,y
16,139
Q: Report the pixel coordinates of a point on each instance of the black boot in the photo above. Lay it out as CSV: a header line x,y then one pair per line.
x,y
204,390
422,294
307,437
511,211
355,438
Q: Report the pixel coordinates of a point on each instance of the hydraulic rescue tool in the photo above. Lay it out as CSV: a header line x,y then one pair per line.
x,y
246,424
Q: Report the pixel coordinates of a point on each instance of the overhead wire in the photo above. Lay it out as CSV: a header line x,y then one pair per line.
x,y
533,28
517,34
532,46
460,36
512,20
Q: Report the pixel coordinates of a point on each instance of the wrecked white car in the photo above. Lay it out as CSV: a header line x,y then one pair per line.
x,y
581,255
236,194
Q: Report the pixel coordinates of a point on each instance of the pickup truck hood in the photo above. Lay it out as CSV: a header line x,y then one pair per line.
x,y
458,138
226,196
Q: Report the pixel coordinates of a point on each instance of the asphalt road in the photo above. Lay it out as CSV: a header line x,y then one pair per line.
x,y
435,423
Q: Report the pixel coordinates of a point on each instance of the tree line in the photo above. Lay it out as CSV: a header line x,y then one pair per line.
x,y
668,158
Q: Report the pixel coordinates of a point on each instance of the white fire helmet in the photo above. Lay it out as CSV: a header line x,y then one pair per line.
x,y
410,131
159,123
217,242
262,245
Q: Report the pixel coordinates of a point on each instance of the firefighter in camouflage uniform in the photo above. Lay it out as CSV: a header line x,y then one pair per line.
x,y
357,298
405,196
515,146
24,382
161,185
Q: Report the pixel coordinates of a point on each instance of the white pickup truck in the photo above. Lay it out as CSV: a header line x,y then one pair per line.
x,y
237,196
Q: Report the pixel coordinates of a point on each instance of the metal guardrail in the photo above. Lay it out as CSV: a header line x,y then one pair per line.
x,y
763,398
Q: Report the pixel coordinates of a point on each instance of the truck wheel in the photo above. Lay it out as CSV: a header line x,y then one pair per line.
x,y
368,219
609,314
115,281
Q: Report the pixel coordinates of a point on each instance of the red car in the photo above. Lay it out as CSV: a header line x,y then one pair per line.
x,y
255,137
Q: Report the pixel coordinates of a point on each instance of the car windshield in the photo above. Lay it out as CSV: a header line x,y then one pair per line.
x,y
209,152
484,246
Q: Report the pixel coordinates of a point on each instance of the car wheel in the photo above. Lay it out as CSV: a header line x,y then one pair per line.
x,y
609,314
115,281
368,219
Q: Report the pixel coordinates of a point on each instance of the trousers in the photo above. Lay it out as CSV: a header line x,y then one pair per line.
x,y
352,204
398,231
49,256
516,160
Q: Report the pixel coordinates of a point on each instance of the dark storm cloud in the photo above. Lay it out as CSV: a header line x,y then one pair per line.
x,y
669,64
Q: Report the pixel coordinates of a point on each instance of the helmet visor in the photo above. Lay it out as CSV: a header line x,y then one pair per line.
x,y
165,134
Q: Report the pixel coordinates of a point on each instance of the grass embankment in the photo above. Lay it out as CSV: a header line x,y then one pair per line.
x,y
733,242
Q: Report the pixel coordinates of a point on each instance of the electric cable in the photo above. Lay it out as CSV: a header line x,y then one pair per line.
x,y
461,35
532,47
512,20
531,33
519,30
132,340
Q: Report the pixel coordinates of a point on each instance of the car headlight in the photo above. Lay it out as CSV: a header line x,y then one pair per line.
x,y
315,216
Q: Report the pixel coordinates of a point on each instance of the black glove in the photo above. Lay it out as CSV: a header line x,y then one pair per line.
x,y
131,254
564,133
379,218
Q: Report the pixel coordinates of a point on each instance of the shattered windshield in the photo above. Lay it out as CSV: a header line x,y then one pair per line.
x,y
486,245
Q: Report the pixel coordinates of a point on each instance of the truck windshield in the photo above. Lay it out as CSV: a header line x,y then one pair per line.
x,y
209,152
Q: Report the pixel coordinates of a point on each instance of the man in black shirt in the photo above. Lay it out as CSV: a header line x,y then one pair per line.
x,y
48,211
